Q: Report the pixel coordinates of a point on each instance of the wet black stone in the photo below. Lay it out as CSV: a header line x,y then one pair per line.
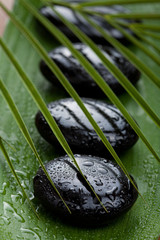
x,y
80,79
80,134
80,22
106,178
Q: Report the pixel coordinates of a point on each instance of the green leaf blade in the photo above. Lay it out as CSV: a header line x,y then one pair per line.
x,y
139,221
99,80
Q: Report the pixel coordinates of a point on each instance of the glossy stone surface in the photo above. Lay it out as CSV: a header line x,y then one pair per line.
x,y
78,131
80,79
106,178
80,22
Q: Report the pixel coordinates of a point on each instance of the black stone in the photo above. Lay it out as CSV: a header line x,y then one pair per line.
x,y
106,178
83,25
78,131
80,79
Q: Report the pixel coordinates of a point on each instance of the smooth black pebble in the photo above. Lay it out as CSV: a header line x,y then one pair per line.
x,y
78,131
106,178
80,79
84,26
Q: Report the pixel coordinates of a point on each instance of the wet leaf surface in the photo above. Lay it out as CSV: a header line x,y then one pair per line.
x,y
17,221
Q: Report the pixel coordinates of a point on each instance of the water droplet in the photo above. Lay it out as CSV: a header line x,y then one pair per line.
x,y
102,170
88,164
21,173
31,196
4,220
12,158
9,210
112,190
68,118
16,197
31,233
99,182
3,190
116,118
24,185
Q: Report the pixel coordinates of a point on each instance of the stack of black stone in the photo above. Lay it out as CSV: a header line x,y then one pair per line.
x,y
106,178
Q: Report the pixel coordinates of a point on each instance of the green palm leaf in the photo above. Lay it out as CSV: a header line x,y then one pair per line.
x,y
149,42
135,41
112,2
25,132
3,149
99,80
16,219
150,34
40,103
